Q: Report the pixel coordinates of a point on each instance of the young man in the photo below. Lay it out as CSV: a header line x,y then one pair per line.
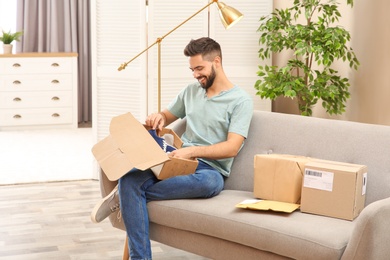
x,y
218,116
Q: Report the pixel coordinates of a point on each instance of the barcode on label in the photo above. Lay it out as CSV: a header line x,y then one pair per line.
x,y
313,173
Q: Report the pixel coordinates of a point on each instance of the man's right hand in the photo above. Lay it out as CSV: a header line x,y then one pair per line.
x,y
156,120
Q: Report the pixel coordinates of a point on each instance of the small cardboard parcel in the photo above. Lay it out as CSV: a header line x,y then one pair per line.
x,y
334,189
279,177
129,145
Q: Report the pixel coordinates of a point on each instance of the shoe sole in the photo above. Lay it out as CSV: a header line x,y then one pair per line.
x,y
97,206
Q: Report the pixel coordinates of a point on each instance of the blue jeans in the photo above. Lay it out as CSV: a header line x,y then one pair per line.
x,y
136,188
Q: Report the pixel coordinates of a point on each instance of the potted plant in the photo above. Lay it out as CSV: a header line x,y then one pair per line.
x,y
308,75
7,38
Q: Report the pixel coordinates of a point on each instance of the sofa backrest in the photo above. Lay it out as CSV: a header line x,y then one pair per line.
x,y
327,139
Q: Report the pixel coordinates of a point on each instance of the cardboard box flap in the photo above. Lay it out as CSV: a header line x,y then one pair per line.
x,y
136,143
109,157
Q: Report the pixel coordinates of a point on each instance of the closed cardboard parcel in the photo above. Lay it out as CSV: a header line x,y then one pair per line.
x,y
278,177
334,189
129,146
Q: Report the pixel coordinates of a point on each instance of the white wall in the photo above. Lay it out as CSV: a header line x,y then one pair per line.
x,y
8,15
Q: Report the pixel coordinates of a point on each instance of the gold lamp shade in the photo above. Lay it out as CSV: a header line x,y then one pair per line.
x,y
229,15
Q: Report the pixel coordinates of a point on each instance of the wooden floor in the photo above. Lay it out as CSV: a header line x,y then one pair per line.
x,y
52,221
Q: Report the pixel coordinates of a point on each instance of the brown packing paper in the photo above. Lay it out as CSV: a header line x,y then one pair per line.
x,y
268,205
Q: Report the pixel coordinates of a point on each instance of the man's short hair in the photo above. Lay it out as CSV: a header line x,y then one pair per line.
x,y
204,46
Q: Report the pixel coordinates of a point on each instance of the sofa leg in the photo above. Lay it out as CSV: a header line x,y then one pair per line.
x,y
125,250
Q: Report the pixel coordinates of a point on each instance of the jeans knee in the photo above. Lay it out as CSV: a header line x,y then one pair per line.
x,y
136,181
214,185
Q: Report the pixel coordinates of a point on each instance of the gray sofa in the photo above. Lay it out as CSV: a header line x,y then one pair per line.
x,y
216,229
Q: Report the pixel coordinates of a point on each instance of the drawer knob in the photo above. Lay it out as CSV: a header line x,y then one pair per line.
x,y
55,65
55,115
17,99
16,82
55,98
17,116
16,65
55,81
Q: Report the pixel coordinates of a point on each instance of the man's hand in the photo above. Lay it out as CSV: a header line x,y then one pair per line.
x,y
156,120
183,153
159,120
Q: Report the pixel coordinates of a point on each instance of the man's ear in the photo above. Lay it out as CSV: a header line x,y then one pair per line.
x,y
218,60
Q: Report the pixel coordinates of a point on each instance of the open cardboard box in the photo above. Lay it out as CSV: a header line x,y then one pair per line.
x,y
130,146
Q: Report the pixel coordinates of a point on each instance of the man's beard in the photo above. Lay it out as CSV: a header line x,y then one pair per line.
x,y
209,80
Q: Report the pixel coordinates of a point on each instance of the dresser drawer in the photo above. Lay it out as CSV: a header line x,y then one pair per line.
x,y
16,100
35,116
33,66
36,82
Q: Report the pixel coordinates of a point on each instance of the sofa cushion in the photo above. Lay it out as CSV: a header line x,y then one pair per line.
x,y
297,235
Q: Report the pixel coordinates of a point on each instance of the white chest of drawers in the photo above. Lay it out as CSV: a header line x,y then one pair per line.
x,y
38,90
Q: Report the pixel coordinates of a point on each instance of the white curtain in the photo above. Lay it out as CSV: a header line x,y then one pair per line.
x,y
59,26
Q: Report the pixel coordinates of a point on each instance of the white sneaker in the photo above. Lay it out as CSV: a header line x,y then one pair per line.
x,y
106,206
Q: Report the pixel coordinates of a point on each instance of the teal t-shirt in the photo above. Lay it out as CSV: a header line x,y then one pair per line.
x,y
209,120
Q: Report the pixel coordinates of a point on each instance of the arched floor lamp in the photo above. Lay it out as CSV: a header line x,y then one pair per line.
x,y
229,16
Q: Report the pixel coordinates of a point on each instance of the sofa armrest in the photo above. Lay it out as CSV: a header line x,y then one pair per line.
x,y
371,235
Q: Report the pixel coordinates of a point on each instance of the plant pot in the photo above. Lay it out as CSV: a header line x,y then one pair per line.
x,y
7,48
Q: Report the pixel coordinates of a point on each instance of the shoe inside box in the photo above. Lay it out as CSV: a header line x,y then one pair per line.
x,y
168,138
161,141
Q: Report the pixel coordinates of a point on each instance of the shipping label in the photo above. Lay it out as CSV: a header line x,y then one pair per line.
x,y
316,179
